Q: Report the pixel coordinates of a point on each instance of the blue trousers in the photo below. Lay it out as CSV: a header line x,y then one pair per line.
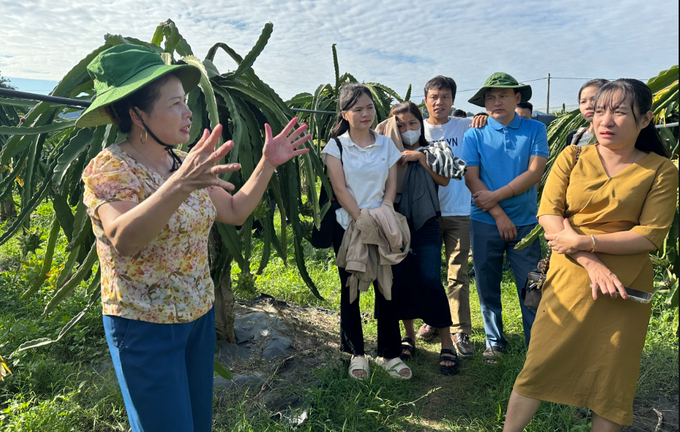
x,y
487,255
165,372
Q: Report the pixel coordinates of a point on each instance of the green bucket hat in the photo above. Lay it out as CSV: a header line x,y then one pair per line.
x,y
500,80
121,70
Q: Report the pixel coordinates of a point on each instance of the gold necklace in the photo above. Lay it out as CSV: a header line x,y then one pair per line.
x,y
148,160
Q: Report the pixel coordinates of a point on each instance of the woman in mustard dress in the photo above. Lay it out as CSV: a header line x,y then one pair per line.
x,y
603,209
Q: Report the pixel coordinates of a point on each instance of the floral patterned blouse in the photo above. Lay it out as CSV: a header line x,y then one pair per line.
x,y
168,281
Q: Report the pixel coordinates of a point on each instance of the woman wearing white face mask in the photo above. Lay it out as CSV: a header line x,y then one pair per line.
x,y
417,287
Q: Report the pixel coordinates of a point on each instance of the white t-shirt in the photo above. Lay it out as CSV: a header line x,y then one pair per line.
x,y
366,170
454,199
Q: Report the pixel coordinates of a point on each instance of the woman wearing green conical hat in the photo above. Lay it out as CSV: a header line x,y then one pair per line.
x,y
152,208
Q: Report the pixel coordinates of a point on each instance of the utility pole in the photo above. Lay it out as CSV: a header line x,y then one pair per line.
x,y
547,98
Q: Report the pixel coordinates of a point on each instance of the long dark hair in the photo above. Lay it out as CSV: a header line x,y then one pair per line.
x,y
410,107
597,82
349,94
613,94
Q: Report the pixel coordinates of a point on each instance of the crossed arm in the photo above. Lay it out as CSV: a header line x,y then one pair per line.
x,y
564,240
487,200
412,156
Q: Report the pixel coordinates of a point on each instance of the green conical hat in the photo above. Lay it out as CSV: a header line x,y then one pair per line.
x,y
500,80
121,70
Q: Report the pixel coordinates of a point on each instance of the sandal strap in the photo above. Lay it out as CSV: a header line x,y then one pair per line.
x,y
359,363
408,343
396,363
447,351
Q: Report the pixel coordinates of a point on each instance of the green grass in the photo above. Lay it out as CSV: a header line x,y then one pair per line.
x,y
66,386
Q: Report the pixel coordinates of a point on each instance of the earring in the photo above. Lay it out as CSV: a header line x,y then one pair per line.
x,y
146,136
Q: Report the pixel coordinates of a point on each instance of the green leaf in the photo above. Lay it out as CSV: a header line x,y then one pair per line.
x,y
387,90
157,37
64,330
210,68
310,179
17,102
32,162
672,299
233,242
300,261
62,212
76,145
65,272
533,235
28,208
47,261
223,371
336,68
663,79
10,130
239,133
84,269
7,183
79,225
206,88
255,51
267,245
196,103
275,189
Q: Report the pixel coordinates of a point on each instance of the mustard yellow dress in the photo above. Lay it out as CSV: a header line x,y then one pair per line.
x,y
586,352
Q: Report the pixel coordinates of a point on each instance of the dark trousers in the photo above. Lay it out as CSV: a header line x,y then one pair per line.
x,y
351,332
417,287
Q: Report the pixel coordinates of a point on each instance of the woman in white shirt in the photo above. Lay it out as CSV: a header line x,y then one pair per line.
x,y
363,175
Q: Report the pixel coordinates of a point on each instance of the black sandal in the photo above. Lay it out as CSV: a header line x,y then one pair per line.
x,y
407,344
448,355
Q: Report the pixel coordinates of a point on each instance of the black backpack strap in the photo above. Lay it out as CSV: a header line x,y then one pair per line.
x,y
337,142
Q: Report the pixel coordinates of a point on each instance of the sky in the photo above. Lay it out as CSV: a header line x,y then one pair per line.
x,y
396,43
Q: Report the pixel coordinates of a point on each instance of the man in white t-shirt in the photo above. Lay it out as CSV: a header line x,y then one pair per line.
x,y
454,201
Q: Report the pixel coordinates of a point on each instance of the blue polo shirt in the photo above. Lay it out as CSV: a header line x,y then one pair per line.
x,y
502,153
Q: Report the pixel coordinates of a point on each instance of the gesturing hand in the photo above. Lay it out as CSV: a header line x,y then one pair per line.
x,y
198,170
281,148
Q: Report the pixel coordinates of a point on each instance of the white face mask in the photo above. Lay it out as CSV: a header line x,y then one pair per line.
x,y
410,137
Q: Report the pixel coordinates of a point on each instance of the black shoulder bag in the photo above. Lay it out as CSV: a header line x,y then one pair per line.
x,y
532,291
323,237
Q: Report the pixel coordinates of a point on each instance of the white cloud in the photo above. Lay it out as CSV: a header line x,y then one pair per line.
x,y
396,43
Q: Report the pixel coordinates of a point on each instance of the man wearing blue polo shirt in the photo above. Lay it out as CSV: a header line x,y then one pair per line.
x,y
505,159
